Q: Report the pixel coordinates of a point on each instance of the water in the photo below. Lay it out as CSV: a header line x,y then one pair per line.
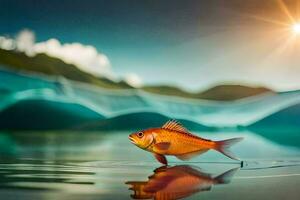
x,y
71,104
105,165
92,161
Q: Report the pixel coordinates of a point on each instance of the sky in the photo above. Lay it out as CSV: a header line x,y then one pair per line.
x,y
192,44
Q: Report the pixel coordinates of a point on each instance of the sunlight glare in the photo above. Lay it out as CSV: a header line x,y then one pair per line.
x,y
296,28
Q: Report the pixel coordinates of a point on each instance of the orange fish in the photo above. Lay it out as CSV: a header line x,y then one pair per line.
x,y
177,182
173,139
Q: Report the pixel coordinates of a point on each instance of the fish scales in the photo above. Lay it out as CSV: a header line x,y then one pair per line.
x,y
174,139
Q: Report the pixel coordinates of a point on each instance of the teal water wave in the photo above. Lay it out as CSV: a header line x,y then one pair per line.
x,y
26,99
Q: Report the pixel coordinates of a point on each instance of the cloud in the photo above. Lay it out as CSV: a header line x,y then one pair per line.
x,y
7,43
133,79
85,57
25,42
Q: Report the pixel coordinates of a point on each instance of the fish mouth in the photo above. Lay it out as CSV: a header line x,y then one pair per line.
x,y
132,140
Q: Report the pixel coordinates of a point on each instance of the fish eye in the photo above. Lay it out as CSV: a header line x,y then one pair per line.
x,y
140,134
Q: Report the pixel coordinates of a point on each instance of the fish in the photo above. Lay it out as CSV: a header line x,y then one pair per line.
x,y
173,139
177,182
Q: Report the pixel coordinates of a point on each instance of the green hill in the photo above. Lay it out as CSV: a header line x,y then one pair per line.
x,y
220,92
42,63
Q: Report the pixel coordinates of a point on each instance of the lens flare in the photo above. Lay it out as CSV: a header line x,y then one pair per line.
x,y
296,28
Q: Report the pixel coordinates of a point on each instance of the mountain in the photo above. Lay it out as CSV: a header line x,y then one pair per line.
x,y
285,120
44,64
45,115
41,63
137,121
220,92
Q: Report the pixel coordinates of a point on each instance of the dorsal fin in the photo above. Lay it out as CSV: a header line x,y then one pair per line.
x,y
174,125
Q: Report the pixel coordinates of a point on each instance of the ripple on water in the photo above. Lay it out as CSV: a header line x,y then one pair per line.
x,y
109,177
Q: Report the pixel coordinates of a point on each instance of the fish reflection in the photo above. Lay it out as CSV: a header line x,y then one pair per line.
x,y
177,182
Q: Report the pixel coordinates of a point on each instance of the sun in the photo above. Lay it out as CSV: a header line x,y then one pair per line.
x,y
296,28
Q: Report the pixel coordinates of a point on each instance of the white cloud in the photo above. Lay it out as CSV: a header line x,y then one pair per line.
x,y
25,42
7,43
85,57
133,79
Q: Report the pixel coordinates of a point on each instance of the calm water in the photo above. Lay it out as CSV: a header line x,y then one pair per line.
x,y
105,165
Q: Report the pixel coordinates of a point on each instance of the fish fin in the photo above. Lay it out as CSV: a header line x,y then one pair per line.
x,y
226,176
161,158
157,184
161,169
188,156
157,173
162,146
224,145
175,126
138,188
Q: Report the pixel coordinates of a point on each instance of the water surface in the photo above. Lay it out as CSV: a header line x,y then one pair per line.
x,y
105,165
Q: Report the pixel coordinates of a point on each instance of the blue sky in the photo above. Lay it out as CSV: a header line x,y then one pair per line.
x,y
191,44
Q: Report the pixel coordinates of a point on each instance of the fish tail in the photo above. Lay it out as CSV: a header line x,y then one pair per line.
x,y
224,145
226,177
